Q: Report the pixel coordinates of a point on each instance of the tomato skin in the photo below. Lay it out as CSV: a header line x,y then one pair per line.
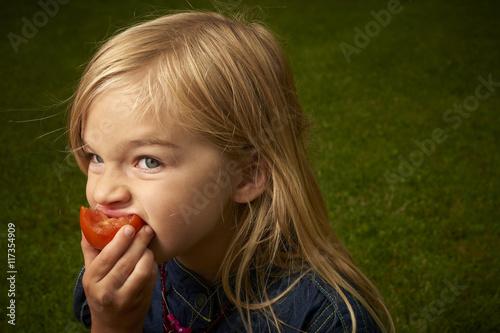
x,y
99,229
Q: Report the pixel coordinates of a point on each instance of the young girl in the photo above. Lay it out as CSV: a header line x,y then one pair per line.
x,y
192,122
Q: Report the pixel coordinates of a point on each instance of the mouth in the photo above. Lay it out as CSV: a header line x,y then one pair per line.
x,y
114,213
99,226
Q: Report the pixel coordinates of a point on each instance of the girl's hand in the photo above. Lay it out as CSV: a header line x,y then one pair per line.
x,y
119,281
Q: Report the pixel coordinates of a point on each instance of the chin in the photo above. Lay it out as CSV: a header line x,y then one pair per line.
x,y
160,257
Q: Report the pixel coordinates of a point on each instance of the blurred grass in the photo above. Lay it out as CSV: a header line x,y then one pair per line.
x,y
440,225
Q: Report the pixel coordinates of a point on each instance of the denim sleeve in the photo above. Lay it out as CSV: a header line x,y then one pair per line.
x,y
332,314
80,305
316,307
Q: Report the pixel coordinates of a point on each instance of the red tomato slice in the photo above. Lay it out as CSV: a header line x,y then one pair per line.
x,y
99,229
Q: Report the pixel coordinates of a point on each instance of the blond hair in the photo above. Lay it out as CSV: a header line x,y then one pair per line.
x,y
228,81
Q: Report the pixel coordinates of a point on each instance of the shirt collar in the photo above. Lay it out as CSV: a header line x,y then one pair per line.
x,y
192,301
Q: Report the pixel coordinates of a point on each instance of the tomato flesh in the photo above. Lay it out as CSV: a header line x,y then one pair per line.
x,y
99,229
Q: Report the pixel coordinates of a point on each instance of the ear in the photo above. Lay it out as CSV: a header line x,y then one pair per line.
x,y
253,181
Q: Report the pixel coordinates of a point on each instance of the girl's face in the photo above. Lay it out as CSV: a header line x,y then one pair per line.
x,y
178,184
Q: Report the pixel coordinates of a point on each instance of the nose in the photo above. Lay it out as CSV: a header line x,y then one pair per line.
x,y
111,189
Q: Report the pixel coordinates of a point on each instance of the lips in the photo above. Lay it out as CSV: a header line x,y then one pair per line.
x,y
111,212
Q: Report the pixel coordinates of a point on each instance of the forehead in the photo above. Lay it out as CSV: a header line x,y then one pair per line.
x,y
119,117
106,111
134,95
132,100
116,102
112,111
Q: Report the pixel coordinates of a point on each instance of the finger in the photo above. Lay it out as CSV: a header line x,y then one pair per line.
x,y
128,261
109,256
153,277
89,252
143,277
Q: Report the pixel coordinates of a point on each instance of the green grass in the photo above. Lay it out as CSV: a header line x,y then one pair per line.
x,y
438,226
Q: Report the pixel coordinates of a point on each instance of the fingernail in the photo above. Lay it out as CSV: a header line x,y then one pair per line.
x,y
129,230
148,230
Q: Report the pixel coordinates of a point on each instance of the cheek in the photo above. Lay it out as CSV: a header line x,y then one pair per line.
x,y
206,204
199,202
88,192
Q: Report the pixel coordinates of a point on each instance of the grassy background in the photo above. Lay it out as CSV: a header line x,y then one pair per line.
x,y
438,226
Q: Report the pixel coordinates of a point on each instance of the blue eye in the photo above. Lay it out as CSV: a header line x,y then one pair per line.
x,y
96,158
149,163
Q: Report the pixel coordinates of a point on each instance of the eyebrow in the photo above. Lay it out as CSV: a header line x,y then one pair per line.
x,y
142,143
152,142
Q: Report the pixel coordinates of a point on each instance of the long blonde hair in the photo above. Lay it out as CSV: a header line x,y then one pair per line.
x,y
229,81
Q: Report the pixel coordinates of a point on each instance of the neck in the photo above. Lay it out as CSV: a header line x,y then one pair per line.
x,y
206,258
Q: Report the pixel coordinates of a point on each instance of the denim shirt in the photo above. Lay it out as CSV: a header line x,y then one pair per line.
x,y
311,306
